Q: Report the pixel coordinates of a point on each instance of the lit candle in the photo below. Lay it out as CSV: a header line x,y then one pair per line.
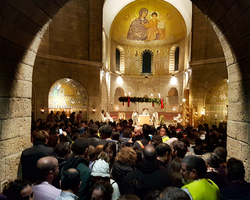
x,y
159,95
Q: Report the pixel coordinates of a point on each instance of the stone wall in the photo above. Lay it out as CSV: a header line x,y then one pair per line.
x,y
71,48
139,87
22,26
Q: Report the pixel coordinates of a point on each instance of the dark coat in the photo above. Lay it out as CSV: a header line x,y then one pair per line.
x,y
146,178
95,141
30,157
236,190
119,174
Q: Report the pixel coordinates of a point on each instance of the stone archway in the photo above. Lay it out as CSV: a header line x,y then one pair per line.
x,y
229,21
20,36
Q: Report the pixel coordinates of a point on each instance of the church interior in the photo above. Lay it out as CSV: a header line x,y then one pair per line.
x,y
185,60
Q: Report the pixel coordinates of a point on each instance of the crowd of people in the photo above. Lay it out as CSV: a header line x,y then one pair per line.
x,y
74,159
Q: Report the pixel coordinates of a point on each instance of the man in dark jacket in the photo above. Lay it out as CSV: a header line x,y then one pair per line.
x,y
31,155
138,138
94,139
148,176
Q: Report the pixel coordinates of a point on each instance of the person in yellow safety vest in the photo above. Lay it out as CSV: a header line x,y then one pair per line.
x,y
196,186
163,133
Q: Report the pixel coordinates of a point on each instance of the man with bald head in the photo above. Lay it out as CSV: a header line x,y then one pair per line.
x,y
148,176
138,138
47,169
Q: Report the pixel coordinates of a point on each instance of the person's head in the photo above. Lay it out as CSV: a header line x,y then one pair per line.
x,y
149,153
154,15
118,128
92,153
146,129
198,149
102,190
175,165
127,133
47,168
68,128
115,136
106,131
100,170
53,140
211,159
192,168
156,140
93,129
222,153
174,193
130,122
180,149
62,149
71,180
110,149
163,131
18,190
153,195
143,12
137,131
186,141
80,147
164,151
124,123
41,136
127,156
235,170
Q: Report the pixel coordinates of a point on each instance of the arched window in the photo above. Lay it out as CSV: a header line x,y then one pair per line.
x,y
118,59
176,59
146,61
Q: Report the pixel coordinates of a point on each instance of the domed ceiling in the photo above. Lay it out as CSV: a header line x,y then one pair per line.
x,y
148,21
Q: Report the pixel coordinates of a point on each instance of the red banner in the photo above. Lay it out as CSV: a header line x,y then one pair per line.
x,y
123,103
161,103
128,101
153,104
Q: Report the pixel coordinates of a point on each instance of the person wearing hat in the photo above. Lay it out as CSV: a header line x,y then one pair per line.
x,y
101,172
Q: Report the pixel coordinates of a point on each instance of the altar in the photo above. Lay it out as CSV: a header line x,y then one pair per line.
x,y
144,119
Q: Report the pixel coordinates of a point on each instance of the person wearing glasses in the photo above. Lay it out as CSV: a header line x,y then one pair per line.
x,y
196,186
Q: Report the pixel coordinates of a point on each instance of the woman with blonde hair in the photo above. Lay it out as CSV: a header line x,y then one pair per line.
x,y
124,163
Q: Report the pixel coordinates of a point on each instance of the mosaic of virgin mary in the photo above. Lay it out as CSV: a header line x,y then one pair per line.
x,y
137,30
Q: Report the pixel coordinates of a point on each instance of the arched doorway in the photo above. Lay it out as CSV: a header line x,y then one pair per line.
x,y
173,100
216,103
70,96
